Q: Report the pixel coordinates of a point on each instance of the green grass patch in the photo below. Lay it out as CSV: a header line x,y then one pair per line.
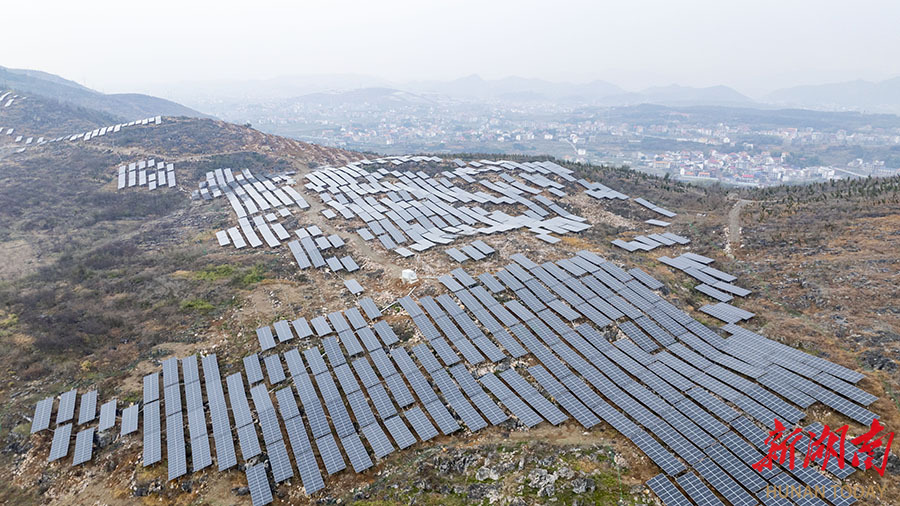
x,y
250,276
196,306
215,273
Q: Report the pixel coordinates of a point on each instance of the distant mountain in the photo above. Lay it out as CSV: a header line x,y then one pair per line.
x,y
856,95
125,106
516,89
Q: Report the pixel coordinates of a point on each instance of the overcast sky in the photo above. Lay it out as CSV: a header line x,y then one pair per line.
x,y
754,46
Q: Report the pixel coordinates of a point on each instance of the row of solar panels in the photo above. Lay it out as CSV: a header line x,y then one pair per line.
x,y
285,331
477,250
651,241
714,283
85,135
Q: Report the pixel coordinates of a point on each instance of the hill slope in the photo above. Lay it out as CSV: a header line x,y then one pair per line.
x,y
126,106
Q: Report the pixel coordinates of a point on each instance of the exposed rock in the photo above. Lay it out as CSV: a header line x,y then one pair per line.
x,y
543,481
240,491
486,473
582,485
105,438
478,491
565,473
875,359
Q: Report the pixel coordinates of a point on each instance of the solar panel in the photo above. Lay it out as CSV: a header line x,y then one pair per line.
x,y
283,329
321,326
258,482
170,371
152,441
42,412
386,333
301,327
249,441
84,447
463,277
733,492
378,440
420,423
314,359
309,472
356,319
129,419
449,282
266,340
667,492
742,473
294,362
175,452
274,369
331,455
238,396
173,399
190,369
696,490
351,344
253,368
333,351
369,307
426,358
268,421
400,432
513,402
356,452
62,435
200,455
66,409
568,401
88,409
279,460
107,415
528,393
657,453
343,425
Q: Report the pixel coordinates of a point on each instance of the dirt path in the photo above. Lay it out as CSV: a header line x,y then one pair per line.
x,y
733,229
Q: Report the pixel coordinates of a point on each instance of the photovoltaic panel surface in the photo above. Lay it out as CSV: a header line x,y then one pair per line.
x,y
84,446
258,482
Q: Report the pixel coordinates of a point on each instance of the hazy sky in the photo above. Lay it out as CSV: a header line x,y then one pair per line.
x,y
754,46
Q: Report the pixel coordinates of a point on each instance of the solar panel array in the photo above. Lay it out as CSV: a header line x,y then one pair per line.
x,y
691,400
409,211
151,174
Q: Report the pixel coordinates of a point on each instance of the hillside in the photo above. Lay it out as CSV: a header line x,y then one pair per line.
x,y
106,285
35,115
125,106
